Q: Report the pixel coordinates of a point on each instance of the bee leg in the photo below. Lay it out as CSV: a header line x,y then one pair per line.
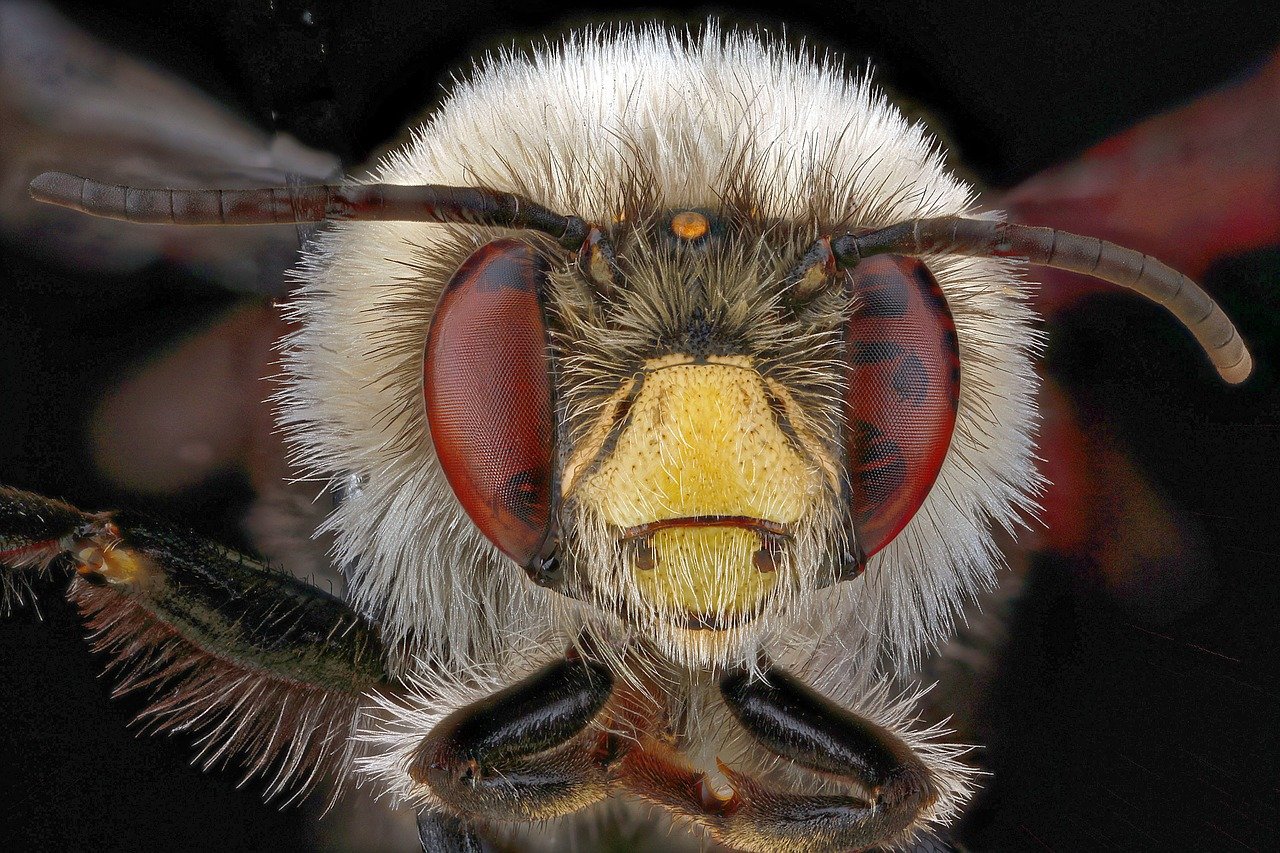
x,y
792,721
443,833
528,752
260,661
32,531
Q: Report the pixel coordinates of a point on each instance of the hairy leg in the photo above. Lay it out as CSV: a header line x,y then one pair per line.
x,y
261,662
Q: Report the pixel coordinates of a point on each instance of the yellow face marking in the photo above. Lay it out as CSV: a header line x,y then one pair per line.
x,y
702,441
689,225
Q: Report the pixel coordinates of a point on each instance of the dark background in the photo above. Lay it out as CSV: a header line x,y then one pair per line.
x,y
1114,726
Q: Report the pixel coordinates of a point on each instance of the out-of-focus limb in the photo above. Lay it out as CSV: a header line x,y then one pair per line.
x,y
1187,186
67,100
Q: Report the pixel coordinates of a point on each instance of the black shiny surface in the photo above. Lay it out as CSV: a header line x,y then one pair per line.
x,y
533,715
794,721
524,753
441,833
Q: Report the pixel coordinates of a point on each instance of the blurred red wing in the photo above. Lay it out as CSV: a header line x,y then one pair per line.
x,y
487,381
902,395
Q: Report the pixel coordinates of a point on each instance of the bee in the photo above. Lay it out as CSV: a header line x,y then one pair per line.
x,y
672,417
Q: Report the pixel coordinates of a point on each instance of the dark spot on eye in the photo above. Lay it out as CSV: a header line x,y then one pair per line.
x,y
951,347
929,287
882,482
879,467
873,452
498,268
868,434
524,496
883,296
873,352
910,379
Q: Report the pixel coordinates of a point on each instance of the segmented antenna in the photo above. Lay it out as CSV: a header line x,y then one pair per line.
x,y
1050,247
314,203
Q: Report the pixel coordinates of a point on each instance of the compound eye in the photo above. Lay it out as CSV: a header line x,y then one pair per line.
x,y
902,394
487,381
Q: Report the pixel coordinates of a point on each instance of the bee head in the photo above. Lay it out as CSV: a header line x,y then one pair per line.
x,y
676,425
728,383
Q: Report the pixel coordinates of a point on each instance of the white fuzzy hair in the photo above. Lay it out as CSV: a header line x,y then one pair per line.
x,y
569,125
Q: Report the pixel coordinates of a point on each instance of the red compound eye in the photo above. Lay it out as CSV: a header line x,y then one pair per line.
x,y
487,380
904,387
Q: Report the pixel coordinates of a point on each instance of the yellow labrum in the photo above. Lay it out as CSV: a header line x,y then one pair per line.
x,y
705,571
702,441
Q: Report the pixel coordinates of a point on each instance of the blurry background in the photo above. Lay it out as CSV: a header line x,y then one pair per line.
x,y
1134,707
